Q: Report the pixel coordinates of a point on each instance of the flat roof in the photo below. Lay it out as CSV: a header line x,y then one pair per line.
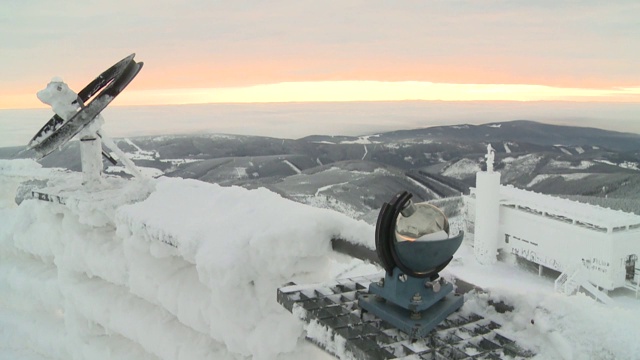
x,y
581,213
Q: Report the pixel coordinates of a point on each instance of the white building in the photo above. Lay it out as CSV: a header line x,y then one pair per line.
x,y
559,234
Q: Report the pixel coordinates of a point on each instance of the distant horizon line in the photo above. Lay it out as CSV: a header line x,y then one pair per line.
x,y
317,102
355,91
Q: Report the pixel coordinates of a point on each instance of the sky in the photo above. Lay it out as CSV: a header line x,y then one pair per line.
x,y
204,51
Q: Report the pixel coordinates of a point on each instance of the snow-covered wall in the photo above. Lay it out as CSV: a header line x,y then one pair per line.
x,y
168,269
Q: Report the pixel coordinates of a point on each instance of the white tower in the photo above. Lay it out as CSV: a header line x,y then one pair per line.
x,y
485,245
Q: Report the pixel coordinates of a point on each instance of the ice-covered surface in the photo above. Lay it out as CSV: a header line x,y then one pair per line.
x,y
624,164
555,326
565,151
14,172
60,97
146,171
543,177
364,140
24,169
189,270
515,167
584,164
462,169
603,217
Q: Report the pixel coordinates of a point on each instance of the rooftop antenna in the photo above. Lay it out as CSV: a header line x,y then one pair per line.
x,y
79,114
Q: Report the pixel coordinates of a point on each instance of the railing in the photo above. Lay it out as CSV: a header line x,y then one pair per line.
x,y
567,283
573,278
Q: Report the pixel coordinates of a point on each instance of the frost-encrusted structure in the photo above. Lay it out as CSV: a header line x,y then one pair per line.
x,y
188,271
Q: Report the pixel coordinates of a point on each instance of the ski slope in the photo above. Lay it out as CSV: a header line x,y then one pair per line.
x,y
180,269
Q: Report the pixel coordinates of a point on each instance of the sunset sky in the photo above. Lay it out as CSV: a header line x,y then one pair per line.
x,y
295,50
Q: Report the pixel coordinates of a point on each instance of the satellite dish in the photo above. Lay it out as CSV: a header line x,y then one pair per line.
x,y
58,131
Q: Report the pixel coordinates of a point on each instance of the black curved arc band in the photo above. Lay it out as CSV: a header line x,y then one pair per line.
x,y
110,79
382,244
385,231
385,239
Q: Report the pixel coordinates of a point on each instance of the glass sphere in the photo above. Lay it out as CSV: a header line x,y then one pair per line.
x,y
421,222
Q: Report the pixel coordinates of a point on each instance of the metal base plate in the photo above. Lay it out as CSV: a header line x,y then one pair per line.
x,y
402,318
348,333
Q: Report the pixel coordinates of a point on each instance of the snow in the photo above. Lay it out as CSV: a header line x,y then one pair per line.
x,y
140,154
625,165
144,170
210,294
334,343
324,142
462,169
522,164
556,164
554,325
565,151
570,177
180,269
180,161
426,189
290,164
14,172
630,165
580,212
327,187
605,162
364,140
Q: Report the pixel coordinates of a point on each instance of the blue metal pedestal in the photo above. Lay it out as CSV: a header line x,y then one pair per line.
x,y
411,304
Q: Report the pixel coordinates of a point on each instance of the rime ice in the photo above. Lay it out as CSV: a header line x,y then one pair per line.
x,y
60,97
180,269
65,103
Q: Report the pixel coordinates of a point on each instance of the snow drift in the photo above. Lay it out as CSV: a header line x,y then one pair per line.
x,y
188,272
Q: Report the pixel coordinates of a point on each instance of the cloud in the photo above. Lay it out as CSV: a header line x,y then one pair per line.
x,y
224,43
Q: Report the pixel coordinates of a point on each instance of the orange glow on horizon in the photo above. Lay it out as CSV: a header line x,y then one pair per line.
x,y
346,91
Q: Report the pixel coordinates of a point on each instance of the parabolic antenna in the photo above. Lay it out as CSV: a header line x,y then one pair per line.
x,y
58,131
